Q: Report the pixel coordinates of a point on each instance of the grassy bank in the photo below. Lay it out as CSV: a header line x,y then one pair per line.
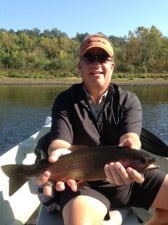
x,y
72,80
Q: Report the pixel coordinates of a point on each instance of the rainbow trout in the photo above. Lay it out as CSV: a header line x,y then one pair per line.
x,y
84,164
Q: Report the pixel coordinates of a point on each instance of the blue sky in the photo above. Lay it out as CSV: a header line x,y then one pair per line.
x,y
71,16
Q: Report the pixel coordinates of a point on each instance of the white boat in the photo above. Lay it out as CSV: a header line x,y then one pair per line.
x,y
18,208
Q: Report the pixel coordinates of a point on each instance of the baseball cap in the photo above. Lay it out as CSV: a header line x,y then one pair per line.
x,y
96,41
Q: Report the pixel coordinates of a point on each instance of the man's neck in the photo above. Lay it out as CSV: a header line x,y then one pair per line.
x,y
96,94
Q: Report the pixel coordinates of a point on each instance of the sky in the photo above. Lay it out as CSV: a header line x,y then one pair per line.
x,y
85,16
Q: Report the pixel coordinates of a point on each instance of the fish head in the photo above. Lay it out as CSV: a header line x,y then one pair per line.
x,y
139,161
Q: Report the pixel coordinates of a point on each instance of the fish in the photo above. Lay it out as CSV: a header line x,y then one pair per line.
x,y
84,164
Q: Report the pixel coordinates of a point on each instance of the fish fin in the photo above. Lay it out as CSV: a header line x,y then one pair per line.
x,y
80,183
153,167
16,178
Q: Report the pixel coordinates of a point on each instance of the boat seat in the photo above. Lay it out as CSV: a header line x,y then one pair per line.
x,y
116,217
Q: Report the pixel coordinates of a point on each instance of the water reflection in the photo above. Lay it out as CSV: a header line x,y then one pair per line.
x,y
29,95
23,110
151,95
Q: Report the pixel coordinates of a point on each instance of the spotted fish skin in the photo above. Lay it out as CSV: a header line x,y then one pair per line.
x,y
83,164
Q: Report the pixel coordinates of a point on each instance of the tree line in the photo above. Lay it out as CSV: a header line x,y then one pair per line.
x,y
142,51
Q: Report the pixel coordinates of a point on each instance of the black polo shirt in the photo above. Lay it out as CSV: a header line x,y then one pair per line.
x,y
73,121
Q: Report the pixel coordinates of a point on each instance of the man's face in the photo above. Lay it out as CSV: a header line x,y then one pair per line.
x,y
96,68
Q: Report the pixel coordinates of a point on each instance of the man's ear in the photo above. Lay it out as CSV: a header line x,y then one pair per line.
x,y
113,65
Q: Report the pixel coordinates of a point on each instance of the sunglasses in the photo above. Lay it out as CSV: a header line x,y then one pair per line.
x,y
88,59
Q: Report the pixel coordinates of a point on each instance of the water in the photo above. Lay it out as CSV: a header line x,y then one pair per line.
x,y
154,101
23,110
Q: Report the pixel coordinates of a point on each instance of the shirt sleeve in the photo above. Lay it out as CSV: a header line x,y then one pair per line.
x,y
132,114
61,127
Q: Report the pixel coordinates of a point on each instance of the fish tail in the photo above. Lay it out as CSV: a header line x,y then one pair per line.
x,y
16,178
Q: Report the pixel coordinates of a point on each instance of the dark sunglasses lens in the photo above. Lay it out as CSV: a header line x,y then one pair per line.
x,y
96,58
92,59
102,58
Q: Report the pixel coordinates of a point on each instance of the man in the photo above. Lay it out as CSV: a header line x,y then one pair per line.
x,y
97,112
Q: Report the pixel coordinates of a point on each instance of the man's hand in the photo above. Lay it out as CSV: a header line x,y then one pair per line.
x,y
130,140
115,171
43,179
117,174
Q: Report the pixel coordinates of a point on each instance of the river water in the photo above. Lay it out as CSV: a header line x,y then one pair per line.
x,y
23,110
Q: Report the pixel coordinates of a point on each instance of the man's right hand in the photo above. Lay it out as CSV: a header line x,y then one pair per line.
x,y
43,179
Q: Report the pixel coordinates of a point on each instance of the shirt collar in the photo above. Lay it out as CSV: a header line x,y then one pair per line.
x,y
90,98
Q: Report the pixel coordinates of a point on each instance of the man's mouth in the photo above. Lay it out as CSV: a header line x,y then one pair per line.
x,y
96,73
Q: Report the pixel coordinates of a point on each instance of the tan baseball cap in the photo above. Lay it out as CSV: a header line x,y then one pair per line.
x,y
96,41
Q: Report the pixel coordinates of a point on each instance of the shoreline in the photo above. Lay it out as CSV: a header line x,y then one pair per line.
x,y
70,81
